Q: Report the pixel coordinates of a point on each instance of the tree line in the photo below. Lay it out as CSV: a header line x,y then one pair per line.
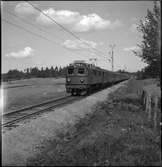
x,y
34,72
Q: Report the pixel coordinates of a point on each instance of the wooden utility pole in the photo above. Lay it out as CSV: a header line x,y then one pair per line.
x,y
112,46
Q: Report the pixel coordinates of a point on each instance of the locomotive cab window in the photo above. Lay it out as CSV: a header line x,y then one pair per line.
x,y
70,70
81,71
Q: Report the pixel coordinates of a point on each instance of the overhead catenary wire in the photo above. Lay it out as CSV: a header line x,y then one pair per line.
x,y
29,23
38,35
21,27
65,29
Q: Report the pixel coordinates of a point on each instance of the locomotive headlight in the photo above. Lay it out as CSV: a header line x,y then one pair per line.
x,y
82,80
68,80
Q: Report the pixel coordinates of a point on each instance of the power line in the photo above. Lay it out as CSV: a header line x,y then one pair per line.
x,y
20,27
45,31
40,36
65,29
29,23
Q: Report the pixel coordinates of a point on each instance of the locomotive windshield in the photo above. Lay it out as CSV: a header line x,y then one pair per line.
x,y
70,70
81,70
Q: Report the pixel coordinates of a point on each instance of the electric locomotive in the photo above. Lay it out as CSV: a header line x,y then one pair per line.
x,y
77,77
81,76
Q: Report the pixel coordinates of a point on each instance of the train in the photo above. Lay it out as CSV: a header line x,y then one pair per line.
x,y
85,77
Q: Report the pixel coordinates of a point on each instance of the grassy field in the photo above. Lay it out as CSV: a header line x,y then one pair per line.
x,y
26,92
117,133
21,93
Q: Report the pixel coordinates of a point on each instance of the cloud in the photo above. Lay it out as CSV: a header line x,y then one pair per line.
x,y
25,53
61,16
95,22
76,21
115,24
77,44
24,9
132,48
71,19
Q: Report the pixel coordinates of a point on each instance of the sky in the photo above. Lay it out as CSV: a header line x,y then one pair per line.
x,y
29,38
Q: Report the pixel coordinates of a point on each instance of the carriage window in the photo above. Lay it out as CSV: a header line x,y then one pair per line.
x,y
70,70
81,71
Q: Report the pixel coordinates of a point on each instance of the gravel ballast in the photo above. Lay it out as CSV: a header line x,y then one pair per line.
x,y
25,141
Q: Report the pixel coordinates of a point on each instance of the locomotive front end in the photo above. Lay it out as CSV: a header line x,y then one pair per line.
x,y
76,79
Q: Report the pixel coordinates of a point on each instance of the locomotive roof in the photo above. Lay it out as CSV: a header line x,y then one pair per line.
x,y
92,66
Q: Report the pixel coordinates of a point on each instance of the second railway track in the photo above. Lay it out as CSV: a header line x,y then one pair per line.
x,y
21,114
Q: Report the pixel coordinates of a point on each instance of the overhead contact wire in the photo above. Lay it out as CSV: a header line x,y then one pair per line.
x,y
65,29
38,35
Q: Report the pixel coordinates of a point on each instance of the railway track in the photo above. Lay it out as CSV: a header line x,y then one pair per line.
x,y
11,118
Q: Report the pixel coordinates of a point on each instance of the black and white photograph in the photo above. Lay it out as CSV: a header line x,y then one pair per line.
x,y
81,83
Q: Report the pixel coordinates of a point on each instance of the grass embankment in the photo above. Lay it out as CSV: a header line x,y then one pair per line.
x,y
117,133
32,91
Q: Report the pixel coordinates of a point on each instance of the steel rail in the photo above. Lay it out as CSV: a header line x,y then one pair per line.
x,y
36,105
65,100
